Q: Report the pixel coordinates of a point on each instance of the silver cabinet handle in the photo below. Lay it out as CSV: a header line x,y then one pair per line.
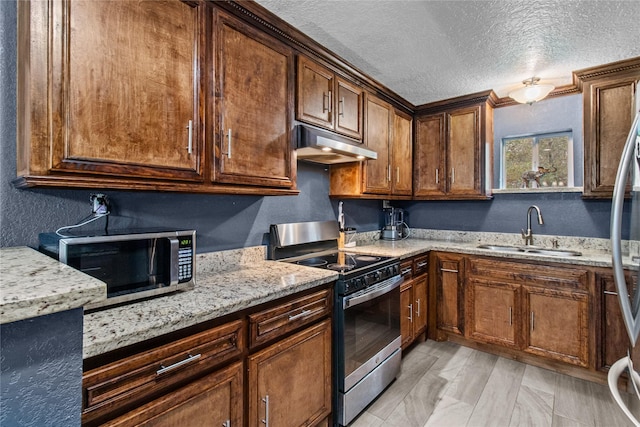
x,y
389,173
422,264
510,316
610,293
410,313
398,174
532,320
448,270
229,144
453,175
303,313
324,96
226,423
266,411
330,102
437,176
418,309
189,359
190,145
405,272
341,107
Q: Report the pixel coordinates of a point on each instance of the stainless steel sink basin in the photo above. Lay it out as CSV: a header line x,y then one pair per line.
x,y
502,248
554,252
532,250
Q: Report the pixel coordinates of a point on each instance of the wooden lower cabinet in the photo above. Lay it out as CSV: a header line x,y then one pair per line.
x,y
613,341
557,324
450,293
212,401
491,308
290,381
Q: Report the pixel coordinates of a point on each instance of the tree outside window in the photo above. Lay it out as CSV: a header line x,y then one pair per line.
x,y
537,161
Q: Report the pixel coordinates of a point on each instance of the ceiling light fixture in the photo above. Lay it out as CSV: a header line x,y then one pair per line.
x,y
531,92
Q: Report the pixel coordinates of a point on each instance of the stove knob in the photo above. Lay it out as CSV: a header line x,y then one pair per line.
x,y
377,275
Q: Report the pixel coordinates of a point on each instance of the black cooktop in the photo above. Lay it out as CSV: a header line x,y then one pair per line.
x,y
343,262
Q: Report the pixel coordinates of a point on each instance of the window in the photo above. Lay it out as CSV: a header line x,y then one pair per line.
x,y
537,161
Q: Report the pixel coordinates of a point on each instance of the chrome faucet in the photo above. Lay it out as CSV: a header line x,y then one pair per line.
x,y
528,236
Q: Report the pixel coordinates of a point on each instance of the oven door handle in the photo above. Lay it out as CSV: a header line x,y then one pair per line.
x,y
394,282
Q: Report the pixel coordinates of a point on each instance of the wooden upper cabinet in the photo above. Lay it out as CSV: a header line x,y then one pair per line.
x,y
429,160
93,105
464,172
377,175
349,119
254,104
453,151
402,155
388,132
609,102
325,99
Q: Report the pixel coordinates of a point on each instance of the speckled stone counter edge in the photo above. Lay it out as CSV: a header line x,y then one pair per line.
x,y
33,284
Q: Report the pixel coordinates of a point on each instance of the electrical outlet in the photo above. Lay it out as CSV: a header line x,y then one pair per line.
x,y
99,204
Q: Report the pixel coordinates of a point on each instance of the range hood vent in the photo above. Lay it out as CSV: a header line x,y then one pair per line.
x,y
318,146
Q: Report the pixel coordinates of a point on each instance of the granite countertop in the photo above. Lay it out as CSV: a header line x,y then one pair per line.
x,y
595,252
33,284
226,282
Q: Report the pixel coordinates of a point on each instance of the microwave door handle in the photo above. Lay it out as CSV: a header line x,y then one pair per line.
x,y
173,265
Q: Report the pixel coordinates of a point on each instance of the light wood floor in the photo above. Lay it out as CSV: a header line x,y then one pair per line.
x,y
444,384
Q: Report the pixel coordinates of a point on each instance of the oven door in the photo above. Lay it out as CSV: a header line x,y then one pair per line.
x,y
370,329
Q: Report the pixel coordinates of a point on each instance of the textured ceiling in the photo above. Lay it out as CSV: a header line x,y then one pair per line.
x,y
428,51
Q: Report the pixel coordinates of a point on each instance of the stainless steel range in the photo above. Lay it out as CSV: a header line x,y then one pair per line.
x,y
366,317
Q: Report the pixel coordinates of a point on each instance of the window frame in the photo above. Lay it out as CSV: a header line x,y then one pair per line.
x,y
536,158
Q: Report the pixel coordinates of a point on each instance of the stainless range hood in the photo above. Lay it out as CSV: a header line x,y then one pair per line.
x,y
318,146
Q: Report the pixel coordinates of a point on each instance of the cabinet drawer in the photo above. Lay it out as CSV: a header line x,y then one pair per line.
x,y
126,382
420,264
534,274
275,322
406,269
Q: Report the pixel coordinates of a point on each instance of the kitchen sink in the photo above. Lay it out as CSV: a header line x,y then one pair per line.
x,y
532,250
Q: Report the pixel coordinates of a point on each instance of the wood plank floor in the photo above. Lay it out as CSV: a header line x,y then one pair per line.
x,y
444,384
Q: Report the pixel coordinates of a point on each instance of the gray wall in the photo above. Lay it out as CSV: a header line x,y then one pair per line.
x,y
224,222
41,371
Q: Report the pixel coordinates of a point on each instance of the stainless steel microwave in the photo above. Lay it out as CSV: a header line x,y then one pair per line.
x,y
134,265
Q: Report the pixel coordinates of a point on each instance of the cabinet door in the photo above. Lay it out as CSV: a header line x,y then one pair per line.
x,y
429,176
254,94
402,157
315,93
449,293
117,107
420,305
349,104
464,152
557,324
613,341
377,179
406,313
608,112
493,307
290,381
212,401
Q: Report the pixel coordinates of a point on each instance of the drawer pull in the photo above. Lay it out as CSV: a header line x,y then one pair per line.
x,y
189,359
265,421
422,264
226,423
405,272
410,313
448,270
610,293
303,313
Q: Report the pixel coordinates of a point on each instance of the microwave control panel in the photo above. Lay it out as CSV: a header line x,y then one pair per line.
x,y
185,259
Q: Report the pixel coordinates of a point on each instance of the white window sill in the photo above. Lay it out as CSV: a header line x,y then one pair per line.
x,y
537,190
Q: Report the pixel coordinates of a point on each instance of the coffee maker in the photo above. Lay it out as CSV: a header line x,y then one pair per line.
x,y
395,228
